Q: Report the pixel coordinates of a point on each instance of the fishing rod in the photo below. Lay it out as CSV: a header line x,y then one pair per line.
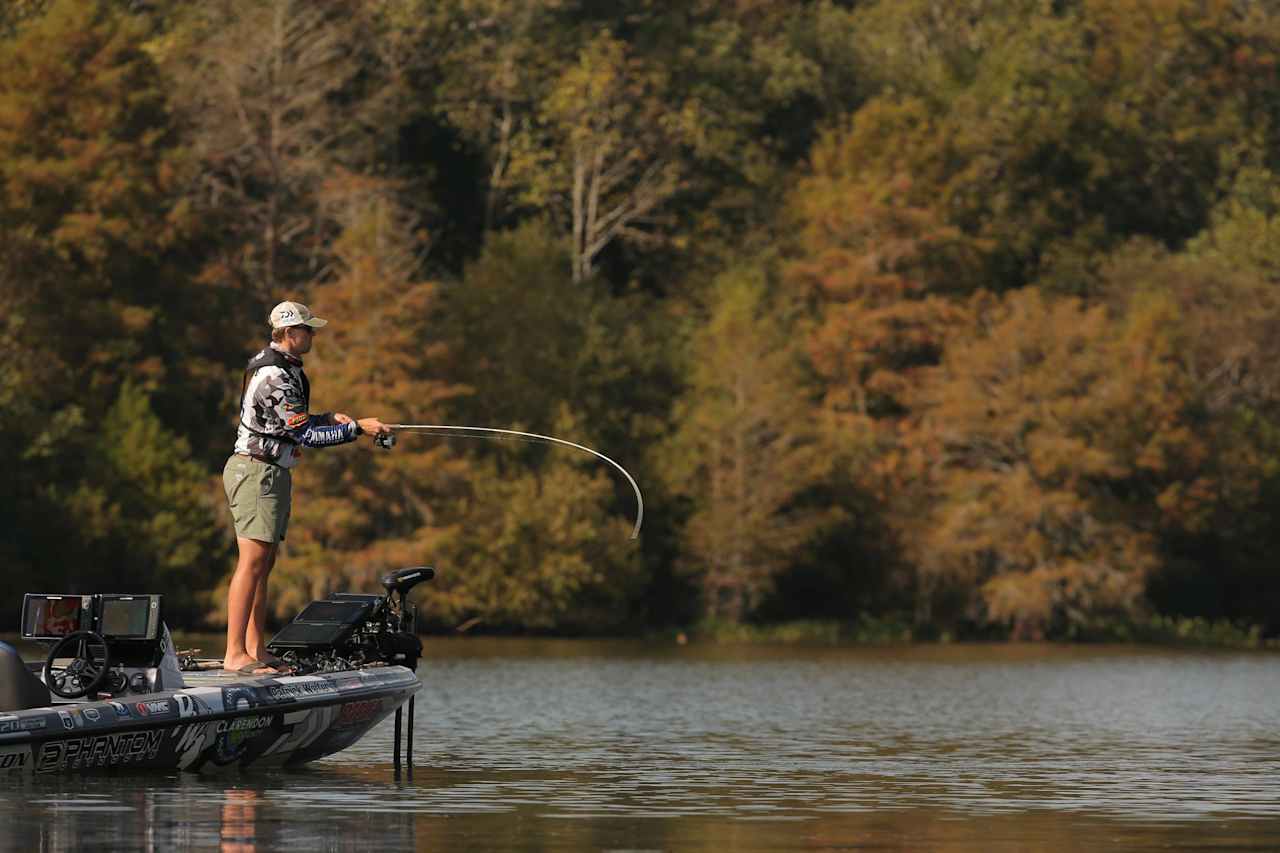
x,y
388,440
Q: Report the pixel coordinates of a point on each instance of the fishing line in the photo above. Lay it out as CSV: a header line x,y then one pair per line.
x,y
532,437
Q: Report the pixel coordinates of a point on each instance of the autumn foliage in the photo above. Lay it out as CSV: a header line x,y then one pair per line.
x,y
960,316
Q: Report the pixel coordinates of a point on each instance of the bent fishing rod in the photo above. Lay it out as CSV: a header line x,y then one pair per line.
x,y
386,441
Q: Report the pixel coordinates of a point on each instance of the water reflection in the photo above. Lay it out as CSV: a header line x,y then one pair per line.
x,y
580,746
233,814
239,830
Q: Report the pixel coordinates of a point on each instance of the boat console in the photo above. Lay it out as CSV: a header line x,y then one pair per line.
x,y
106,644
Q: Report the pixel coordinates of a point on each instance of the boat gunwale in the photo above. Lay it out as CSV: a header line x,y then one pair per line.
x,y
340,696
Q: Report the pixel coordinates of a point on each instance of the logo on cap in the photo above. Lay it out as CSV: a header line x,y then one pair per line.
x,y
294,314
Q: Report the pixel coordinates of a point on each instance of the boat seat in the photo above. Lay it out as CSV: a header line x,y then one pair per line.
x,y
403,580
19,688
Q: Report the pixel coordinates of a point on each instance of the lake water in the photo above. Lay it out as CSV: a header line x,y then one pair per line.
x,y
577,746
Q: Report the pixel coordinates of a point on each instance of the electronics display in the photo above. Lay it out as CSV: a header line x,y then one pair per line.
x,y
322,624
129,617
117,616
51,617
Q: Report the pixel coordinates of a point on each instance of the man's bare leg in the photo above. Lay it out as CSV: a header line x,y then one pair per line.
x,y
253,566
255,636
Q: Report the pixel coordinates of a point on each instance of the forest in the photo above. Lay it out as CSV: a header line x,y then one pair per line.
x,y
930,320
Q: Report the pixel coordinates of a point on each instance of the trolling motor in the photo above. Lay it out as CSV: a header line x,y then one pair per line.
x,y
349,630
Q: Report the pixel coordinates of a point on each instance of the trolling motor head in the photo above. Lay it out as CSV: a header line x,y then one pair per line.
x,y
403,580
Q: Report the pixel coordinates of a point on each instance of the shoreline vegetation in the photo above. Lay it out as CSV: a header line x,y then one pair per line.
x,y
1155,632
914,321
1165,631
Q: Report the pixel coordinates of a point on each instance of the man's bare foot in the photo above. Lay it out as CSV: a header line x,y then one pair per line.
x,y
247,665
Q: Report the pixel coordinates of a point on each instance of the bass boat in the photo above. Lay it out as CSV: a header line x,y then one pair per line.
x,y
114,694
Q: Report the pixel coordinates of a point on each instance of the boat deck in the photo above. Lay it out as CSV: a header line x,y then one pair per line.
x,y
211,674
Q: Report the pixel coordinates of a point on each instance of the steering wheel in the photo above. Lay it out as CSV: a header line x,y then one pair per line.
x,y
88,668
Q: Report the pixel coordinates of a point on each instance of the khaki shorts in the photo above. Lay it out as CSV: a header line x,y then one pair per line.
x,y
260,495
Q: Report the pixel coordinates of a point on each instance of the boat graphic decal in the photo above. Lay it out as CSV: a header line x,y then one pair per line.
x,y
278,721
106,750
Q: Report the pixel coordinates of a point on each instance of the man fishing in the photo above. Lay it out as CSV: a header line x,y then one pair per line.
x,y
274,427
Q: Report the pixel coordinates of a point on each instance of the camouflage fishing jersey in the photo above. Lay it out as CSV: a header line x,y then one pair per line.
x,y
274,422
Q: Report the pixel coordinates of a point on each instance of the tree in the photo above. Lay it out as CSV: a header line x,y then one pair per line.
x,y
1076,449
745,447
602,160
495,60
534,545
360,510
1217,508
261,85
1023,419
94,285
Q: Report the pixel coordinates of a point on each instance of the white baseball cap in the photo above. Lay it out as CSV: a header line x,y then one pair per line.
x,y
288,314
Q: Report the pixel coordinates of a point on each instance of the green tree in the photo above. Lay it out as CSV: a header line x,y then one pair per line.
x,y
538,547
495,60
147,510
600,155
517,329
747,444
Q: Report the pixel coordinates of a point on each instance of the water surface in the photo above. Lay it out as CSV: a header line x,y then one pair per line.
x,y
571,745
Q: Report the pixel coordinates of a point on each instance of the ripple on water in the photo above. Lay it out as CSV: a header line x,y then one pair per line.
x,y
840,746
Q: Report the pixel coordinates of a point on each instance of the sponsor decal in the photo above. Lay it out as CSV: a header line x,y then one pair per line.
x,y
186,705
239,698
14,725
14,759
67,722
295,421
155,706
92,715
301,689
234,736
107,750
243,724
122,710
355,713
190,742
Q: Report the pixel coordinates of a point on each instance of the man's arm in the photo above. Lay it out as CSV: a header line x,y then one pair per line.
x,y
307,431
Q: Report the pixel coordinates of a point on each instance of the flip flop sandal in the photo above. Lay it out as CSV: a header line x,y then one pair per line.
x,y
252,667
277,663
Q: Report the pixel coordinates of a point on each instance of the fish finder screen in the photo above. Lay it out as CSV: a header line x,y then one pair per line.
x,y
126,617
51,615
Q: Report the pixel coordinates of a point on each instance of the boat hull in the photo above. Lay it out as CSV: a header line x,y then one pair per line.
x,y
216,723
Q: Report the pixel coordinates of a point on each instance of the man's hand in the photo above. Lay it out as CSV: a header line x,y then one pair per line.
x,y
373,426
